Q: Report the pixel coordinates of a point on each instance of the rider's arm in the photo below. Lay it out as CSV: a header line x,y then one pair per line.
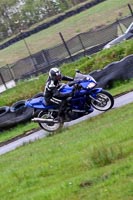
x,y
55,91
67,78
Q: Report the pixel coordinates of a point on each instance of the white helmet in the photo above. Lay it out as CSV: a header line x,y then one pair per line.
x,y
55,74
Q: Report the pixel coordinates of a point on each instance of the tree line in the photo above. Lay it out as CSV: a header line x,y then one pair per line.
x,y
16,15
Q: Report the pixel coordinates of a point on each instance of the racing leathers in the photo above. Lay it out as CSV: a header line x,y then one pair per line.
x,y
52,94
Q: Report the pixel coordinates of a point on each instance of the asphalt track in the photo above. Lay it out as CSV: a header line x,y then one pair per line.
x,y
119,102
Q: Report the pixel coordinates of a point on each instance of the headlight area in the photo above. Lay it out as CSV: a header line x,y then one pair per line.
x,y
91,85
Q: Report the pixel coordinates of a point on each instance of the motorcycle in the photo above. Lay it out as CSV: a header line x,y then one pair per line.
x,y
86,97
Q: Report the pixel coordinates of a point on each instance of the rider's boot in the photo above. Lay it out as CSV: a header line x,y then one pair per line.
x,y
88,109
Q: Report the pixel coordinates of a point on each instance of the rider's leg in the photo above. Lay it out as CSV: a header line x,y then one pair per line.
x,y
62,106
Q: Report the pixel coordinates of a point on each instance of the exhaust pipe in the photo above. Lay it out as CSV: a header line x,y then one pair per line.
x,y
40,120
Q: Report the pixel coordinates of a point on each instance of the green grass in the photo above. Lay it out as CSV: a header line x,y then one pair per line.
x,y
122,87
73,164
102,14
18,130
23,90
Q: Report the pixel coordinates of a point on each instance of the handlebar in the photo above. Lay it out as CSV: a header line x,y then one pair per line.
x,y
73,83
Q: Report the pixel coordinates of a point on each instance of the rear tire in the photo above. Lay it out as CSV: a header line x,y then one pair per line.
x,y
51,126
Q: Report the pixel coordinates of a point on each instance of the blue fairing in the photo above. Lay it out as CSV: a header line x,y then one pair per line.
x,y
38,103
84,84
94,91
66,89
78,99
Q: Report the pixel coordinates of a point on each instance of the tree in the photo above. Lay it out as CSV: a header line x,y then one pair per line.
x,y
75,2
63,4
17,14
6,12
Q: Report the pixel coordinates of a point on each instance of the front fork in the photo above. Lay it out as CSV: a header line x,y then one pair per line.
x,y
93,94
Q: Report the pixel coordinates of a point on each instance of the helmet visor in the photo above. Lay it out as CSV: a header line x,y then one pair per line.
x,y
58,76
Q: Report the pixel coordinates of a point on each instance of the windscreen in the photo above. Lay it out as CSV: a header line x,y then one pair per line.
x,y
79,76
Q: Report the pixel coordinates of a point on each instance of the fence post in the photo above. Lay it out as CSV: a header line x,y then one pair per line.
x,y
11,72
30,54
119,26
82,44
129,6
45,53
3,81
69,53
28,49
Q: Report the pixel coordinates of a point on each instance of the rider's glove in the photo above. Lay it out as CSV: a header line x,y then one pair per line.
x,y
77,86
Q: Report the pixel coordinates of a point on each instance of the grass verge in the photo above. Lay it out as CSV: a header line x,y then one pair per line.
x,y
67,166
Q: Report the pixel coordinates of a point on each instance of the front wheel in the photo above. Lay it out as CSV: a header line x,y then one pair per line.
x,y
102,101
49,126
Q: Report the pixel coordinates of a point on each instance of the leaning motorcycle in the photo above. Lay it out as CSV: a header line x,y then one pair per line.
x,y
86,97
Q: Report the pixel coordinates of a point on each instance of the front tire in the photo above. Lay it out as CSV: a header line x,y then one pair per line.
x,y
104,101
50,126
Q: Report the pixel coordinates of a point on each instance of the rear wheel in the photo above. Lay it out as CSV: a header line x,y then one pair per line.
x,y
49,126
103,101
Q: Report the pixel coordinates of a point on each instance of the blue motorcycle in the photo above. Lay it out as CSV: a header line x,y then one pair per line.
x,y
85,98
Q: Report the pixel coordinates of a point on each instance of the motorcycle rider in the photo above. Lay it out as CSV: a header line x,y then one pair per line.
x,y
51,92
